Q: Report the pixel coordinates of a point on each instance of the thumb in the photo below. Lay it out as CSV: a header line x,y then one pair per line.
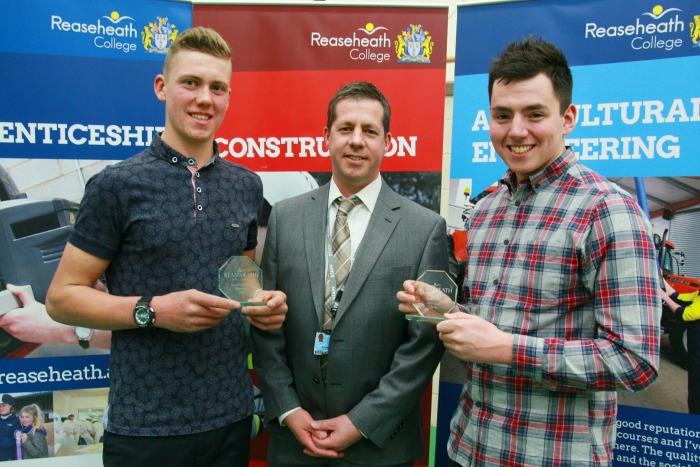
x,y
24,292
319,425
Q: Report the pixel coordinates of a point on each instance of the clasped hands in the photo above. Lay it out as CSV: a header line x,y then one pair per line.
x,y
323,438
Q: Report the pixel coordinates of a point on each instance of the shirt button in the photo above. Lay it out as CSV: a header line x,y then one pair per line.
x,y
191,161
477,404
317,381
174,160
517,203
495,282
196,174
199,207
199,189
506,242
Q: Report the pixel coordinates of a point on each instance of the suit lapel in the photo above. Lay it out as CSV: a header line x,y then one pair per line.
x,y
314,239
384,220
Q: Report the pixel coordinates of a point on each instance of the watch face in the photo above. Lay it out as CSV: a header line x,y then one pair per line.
x,y
83,333
142,316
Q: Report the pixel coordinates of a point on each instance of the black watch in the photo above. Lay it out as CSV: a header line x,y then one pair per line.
x,y
144,316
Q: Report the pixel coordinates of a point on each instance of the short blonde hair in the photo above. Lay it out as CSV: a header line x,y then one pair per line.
x,y
198,39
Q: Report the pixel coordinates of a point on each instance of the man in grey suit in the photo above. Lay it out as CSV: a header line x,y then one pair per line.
x,y
364,407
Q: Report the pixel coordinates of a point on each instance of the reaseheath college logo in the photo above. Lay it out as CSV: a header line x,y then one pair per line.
x,y
661,28
369,46
414,45
157,36
695,31
119,35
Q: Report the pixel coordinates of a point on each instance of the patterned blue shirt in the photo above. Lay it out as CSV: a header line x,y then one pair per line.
x,y
166,225
564,261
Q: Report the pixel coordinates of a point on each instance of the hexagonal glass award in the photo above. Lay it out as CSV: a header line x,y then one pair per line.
x,y
433,281
240,279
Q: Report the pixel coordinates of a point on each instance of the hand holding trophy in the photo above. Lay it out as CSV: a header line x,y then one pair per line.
x,y
438,294
240,279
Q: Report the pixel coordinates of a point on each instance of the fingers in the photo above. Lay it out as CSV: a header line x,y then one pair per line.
x,y
409,286
458,315
300,422
407,297
318,452
270,316
190,310
267,323
213,301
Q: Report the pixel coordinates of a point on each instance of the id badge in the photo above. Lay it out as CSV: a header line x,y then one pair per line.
x,y
321,343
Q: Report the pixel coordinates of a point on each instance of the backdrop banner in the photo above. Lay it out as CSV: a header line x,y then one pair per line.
x,y
76,72
635,85
289,61
79,96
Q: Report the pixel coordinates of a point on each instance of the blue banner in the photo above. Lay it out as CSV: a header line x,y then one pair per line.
x,y
20,375
656,437
78,75
117,29
635,83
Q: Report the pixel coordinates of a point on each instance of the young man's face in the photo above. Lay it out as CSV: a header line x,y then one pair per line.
x,y
5,409
357,143
196,94
527,128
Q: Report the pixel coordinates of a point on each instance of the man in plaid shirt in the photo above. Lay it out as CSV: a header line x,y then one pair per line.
x,y
564,307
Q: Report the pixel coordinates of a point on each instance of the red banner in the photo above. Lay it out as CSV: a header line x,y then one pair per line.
x,y
289,61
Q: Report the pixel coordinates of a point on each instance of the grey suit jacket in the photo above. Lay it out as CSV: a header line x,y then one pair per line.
x,y
379,364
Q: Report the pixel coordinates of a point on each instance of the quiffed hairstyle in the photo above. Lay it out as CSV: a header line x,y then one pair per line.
x,y
359,90
527,59
198,39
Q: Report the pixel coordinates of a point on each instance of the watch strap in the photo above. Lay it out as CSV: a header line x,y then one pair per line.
x,y
145,303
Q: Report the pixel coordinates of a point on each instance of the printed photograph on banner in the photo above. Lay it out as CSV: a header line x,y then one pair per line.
x,y
39,199
28,421
79,418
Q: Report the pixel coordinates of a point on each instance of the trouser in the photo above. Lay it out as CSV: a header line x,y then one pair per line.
x,y
340,463
228,446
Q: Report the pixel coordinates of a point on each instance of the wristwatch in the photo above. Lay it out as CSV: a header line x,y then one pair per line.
x,y
144,316
84,335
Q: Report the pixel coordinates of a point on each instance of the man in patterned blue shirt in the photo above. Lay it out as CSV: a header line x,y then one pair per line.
x,y
159,225
561,267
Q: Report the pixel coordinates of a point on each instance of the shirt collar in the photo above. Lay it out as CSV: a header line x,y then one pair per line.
x,y
547,175
162,150
368,195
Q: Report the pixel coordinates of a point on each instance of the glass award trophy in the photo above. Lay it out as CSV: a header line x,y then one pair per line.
x,y
428,285
240,279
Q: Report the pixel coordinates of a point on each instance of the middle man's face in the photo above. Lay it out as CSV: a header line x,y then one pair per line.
x,y
357,143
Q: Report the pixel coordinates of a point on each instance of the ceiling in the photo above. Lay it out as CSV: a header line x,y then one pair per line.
x,y
675,193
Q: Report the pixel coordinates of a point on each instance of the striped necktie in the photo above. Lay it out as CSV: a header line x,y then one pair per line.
x,y
342,255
